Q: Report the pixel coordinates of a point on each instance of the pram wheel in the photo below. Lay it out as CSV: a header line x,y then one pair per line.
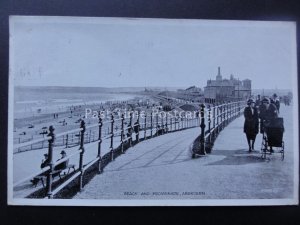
x,y
282,151
264,147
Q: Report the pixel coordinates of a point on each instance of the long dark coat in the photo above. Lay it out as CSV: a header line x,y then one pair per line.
x,y
251,121
266,115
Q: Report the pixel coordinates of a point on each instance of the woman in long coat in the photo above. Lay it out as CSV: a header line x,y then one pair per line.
x,y
251,123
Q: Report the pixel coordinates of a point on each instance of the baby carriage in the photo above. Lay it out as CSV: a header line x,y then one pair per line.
x,y
272,138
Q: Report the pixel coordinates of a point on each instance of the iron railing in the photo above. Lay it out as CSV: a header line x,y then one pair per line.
x,y
124,131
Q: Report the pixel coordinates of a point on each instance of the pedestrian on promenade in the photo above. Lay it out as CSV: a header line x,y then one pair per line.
x,y
258,102
268,112
276,101
251,123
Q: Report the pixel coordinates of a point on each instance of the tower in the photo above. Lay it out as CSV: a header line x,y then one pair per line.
x,y
219,76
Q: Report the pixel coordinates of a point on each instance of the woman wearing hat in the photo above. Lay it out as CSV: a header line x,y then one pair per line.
x,y
251,123
267,112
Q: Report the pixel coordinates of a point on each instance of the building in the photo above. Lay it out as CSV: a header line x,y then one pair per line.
x,y
221,90
193,94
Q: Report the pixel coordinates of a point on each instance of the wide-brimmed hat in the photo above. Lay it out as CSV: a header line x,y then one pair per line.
x,y
266,100
63,152
250,100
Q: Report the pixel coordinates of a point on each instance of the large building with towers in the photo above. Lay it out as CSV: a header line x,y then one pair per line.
x,y
220,90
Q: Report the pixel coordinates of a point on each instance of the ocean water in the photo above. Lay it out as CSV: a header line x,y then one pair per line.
x,y
33,101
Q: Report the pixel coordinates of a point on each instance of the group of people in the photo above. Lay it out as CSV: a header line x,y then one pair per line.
x,y
260,110
63,165
46,161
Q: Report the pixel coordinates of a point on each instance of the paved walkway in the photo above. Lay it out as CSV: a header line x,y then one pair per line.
x,y
162,168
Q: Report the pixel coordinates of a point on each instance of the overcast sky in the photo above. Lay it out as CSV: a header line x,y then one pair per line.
x,y
110,52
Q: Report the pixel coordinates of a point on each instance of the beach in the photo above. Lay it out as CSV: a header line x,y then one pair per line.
x,y
36,109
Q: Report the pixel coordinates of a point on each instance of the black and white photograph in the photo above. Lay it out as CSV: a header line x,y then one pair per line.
x,y
107,111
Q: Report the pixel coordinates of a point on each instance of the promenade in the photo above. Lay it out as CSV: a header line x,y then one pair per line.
x,y
162,168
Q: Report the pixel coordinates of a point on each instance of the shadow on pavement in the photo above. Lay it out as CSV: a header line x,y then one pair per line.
x,y
237,157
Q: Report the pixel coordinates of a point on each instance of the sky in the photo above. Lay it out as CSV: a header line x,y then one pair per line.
x,y
124,52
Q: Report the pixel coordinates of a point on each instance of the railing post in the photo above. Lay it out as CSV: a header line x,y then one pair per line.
x,y
122,133
50,158
145,127
167,128
138,128
209,118
67,140
220,118
157,124
186,121
130,129
112,137
99,143
214,122
227,108
218,114
230,112
162,124
214,116
202,135
151,124
82,126
224,115
209,141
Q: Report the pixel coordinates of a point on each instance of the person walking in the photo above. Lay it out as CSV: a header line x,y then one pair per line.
x,y
276,102
268,112
251,123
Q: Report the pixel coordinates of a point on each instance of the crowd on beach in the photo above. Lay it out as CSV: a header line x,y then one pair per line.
x,y
34,127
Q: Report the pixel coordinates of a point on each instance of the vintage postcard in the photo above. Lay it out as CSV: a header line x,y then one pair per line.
x,y
152,112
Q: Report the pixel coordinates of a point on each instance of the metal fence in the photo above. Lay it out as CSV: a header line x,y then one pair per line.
x,y
216,119
122,133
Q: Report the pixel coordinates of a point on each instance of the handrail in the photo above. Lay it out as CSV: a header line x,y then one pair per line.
x,y
68,132
217,118
16,146
31,176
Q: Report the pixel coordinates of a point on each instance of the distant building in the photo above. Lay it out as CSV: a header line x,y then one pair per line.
x,y
192,93
232,89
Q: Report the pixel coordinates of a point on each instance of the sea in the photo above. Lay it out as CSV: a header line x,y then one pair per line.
x,y
33,101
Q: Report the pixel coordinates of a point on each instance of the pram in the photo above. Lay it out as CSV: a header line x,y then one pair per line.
x,y
272,137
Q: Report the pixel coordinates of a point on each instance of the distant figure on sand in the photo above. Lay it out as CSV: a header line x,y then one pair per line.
x,y
251,123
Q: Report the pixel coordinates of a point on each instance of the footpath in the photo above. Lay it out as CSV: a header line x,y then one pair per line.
x,y
162,168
